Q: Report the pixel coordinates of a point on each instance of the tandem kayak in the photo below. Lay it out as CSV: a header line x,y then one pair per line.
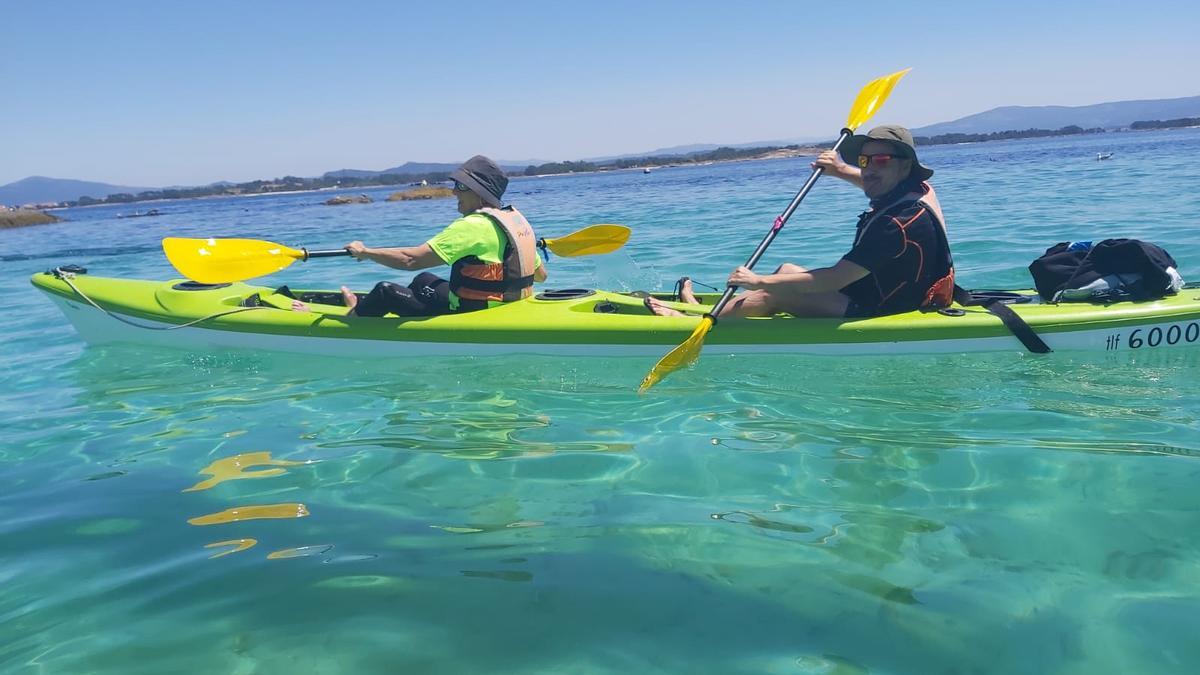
x,y
182,313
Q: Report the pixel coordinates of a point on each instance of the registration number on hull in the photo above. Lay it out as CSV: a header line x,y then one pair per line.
x,y
1154,336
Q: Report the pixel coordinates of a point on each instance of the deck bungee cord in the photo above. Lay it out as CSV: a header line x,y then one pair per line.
x,y
67,272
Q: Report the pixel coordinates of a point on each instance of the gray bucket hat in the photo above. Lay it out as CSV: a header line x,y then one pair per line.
x,y
895,134
484,178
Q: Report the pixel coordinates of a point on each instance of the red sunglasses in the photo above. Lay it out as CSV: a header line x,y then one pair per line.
x,y
879,161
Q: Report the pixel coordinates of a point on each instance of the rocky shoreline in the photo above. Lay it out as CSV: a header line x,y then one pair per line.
x,y
23,217
422,192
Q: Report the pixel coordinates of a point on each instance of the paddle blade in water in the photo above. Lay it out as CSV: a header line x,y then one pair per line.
x,y
679,357
218,261
871,98
592,240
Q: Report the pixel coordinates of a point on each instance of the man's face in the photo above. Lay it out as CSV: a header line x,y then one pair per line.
x,y
885,168
468,201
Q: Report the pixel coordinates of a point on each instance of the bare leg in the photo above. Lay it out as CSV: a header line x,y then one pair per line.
x,y
657,307
789,268
685,292
759,303
750,303
828,304
350,299
763,303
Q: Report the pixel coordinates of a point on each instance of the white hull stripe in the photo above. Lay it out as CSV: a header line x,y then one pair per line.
x,y
96,327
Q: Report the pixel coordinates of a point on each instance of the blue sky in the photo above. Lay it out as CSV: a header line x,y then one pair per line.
x,y
184,93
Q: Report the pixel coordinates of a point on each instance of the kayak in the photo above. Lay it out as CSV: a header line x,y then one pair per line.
x,y
581,322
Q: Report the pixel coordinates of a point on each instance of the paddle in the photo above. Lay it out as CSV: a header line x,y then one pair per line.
x,y
216,261
591,240
869,100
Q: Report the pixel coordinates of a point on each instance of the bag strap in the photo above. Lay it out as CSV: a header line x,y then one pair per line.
x,y
998,307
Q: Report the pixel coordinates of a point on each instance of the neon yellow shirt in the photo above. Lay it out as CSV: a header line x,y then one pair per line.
x,y
473,234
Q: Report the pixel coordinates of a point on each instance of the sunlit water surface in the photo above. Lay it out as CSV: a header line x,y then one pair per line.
x,y
171,511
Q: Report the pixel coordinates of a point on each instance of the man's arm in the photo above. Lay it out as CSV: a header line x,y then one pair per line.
x,y
820,280
834,166
402,258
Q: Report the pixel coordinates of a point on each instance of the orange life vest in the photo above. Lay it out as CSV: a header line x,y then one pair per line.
x,y
510,279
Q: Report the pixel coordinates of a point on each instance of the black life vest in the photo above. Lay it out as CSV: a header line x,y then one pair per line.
x,y
941,293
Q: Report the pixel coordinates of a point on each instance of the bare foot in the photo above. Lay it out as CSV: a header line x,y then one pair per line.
x,y
655,305
298,306
350,299
685,292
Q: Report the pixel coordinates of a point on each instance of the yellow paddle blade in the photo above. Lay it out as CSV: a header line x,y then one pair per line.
x,y
871,98
218,261
679,357
592,240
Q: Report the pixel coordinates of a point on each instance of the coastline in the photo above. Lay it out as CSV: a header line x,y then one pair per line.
x,y
771,155
780,153
667,162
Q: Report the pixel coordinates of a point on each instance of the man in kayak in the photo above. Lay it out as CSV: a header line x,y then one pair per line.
x,y
491,251
900,260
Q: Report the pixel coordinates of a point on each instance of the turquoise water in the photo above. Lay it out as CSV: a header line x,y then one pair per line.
x,y
951,514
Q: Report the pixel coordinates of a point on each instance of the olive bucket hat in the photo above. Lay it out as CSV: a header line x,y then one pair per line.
x,y
898,136
484,178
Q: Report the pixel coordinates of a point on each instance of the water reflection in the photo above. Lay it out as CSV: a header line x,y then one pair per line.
x,y
237,545
256,512
300,552
239,467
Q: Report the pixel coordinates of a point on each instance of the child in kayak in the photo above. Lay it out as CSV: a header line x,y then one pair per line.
x,y
900,260
491,251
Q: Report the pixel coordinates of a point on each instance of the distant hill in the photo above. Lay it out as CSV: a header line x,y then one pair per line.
x,y
350,173
677,151
1114,115
40,189
417,168
697,149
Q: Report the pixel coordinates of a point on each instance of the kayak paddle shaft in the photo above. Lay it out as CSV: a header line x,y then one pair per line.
x,y
779,223
334,253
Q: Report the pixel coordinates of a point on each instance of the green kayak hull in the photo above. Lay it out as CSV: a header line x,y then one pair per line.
x,y
589,323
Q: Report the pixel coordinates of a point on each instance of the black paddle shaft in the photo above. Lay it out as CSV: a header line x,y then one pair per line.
x,y
338,252
779,223
325,254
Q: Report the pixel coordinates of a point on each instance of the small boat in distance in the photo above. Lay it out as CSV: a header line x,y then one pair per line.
x,y
139,214
646,170
1103,155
